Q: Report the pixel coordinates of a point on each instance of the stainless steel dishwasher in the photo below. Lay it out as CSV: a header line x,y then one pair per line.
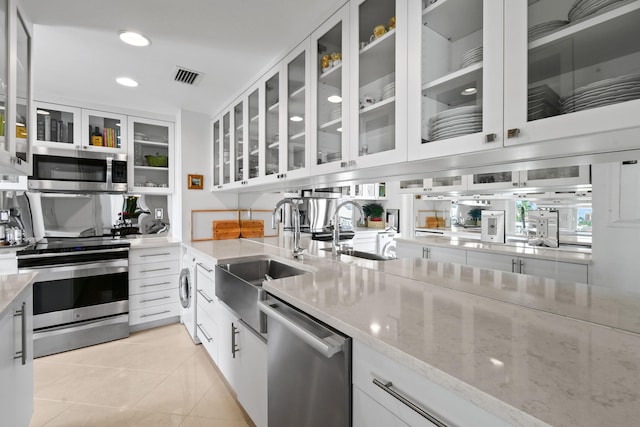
x,y
309,369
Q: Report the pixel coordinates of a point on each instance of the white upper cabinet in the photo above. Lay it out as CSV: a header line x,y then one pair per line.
x,y
254,134
57,126
239,137
216,161
455,77
151,156
104,131
273,90
572,69
226,148
378,47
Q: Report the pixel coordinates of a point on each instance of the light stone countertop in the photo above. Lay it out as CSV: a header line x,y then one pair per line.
x,y
563,254
528,366
152,242
10,287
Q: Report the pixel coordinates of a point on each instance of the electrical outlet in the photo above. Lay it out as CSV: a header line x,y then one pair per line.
x,y
159,213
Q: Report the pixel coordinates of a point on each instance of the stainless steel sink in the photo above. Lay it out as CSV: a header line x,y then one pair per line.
x,y
239,284
360,254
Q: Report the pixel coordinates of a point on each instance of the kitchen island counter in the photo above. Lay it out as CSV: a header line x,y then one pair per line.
x,y
529,366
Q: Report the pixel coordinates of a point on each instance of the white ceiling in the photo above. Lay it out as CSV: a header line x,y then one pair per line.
x,y
78,55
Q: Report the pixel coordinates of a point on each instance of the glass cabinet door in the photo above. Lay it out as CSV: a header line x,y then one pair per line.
x,y
152,155
577,65
272,125
238,142
217,154
330,76
460,75
226,148
23,91
57,125
104,131
4,143
297,81
253,105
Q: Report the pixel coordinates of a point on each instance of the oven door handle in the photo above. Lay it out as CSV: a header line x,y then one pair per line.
x,y
69,271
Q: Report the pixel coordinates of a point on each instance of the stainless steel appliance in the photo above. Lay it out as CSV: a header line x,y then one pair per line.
x,y
492,226
68,170
309,369
81,296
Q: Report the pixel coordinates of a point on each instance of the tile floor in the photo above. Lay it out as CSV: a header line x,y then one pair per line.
x,y
154,378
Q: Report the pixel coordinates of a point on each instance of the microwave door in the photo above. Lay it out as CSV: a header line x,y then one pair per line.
x,y
57,173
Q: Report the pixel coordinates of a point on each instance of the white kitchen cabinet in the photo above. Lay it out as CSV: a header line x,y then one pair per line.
x,y
151,138
455,77
153,286
57,126
437,185
435,253
562,271
217,154
381,384
16,361
207,311
556,176
16,93
576,80
111,127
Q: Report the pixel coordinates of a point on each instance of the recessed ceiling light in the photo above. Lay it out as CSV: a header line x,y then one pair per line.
x,y
126,81
469,91
335,99
134,39
43,112
296,119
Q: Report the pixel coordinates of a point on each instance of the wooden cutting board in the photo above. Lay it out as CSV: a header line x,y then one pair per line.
x,y
224,230
252,228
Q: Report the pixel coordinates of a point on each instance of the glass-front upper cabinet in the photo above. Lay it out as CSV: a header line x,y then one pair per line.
x,y
572,68
253,134
297,106
4,77
103,131
272,125
226,148
379,36
330,94
57,125
455,76
217,154
23,91
151,155
238,142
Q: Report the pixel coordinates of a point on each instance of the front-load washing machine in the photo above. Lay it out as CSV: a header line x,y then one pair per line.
x,y
187,293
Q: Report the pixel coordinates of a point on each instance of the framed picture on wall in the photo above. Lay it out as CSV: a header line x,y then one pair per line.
x,y
196,182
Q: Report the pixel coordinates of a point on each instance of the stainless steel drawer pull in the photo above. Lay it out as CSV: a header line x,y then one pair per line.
x,y
22,354
387,387
162,254
209,339
155,269
156,314
155,284
204,267
209,300
155,299
234,345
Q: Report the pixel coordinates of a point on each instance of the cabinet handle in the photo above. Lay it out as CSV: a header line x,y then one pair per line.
x,y
156,314
162,254
426,253
204,267
209,339
521,266
513,265
155,299
491,137
22,354
513,133
155,284
155,269
209,300
387,388
234,347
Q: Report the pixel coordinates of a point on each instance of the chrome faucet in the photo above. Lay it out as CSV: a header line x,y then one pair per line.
x,y
297,250
336,223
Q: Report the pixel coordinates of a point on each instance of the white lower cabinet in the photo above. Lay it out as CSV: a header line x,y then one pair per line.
x,y
390,394
153,284
562,271
16,361
435,253
207,309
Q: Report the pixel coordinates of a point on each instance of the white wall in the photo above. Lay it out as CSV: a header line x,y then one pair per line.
x,y
194,143
616,226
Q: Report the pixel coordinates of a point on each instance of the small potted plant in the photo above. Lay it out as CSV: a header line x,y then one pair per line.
x,y
374,212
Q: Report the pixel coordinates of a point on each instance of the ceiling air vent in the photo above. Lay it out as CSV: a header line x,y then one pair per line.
x,y
190,77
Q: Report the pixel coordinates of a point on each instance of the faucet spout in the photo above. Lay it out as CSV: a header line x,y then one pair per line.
x,y
336,223
297,250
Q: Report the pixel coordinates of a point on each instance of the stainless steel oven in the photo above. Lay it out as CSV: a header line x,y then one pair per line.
x,y
81,294
68,170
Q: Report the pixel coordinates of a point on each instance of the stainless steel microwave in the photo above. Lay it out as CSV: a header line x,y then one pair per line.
x,y
57,169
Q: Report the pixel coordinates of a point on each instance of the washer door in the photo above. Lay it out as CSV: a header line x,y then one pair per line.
x,y
185,288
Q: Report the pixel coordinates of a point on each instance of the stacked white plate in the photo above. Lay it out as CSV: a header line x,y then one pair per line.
x,y
389,90
545,28
336,112
542,102
601,93
455,122
583,8
471,56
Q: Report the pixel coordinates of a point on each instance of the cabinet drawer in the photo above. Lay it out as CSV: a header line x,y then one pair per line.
x,y
154,269
150,284
436,400
149,314
152,299
207,332
207,302
161,254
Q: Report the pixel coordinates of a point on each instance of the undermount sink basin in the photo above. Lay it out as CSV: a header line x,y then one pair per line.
x,y
360,254
239,284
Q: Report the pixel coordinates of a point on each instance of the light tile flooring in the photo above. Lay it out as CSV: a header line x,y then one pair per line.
x,y
154,378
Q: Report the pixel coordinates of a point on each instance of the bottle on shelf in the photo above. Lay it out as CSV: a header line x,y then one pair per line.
x,y
96,137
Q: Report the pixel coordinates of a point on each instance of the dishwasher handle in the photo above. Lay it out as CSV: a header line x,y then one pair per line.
x,y
328,346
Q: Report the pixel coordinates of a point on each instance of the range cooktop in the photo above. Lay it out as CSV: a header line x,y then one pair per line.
x,y
73,244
